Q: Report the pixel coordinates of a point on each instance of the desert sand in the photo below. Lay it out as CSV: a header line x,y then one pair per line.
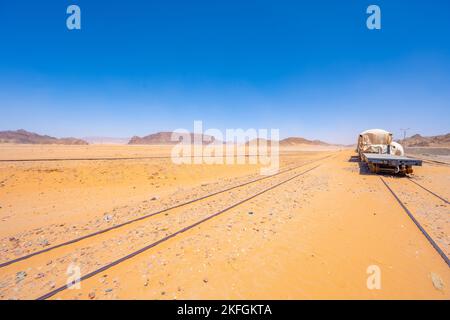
x,y
313,237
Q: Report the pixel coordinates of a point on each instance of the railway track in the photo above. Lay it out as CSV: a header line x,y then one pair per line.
x,y
427,235
172,235
101,256
441,163
123,158
102,231
435,162
428,190
104,262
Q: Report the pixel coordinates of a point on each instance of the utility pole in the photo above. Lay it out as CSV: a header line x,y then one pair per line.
x,y
404,132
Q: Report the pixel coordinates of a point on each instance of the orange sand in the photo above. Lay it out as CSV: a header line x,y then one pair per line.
x,y
313,237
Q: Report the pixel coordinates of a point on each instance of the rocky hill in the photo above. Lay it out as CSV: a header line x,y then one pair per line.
x,y
164,138
25,137
419,141
106,140
293,141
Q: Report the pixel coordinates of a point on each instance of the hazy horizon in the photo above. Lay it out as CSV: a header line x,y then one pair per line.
x,y
312,70
125,140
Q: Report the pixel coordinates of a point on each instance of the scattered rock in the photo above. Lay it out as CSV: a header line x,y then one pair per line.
x,y
154,198
21,275
205,280
437,281
108,290
250,212
43,242
107,218
91,295
39,275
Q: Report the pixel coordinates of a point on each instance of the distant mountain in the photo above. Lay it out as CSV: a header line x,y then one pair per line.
x,y
419,141
25,137
165,138
259,141
106,140
293,141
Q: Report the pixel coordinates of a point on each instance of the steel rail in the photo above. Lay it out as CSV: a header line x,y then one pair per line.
x,y
69,242
428,190
123,158
135,253
431,161
417,223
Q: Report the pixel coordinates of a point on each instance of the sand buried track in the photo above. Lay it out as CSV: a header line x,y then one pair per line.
x,y
149,215
310,232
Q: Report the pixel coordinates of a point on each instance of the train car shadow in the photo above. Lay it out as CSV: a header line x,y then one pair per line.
x,y
363,168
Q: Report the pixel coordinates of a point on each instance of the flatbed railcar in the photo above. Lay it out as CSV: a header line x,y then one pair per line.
x,y
377,148
390,163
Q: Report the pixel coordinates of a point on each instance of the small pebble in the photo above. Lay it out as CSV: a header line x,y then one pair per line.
x,y
20,276
44,242
39,275
437,281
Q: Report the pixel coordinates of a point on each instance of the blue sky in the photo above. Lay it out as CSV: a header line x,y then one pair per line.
x,y
309,68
